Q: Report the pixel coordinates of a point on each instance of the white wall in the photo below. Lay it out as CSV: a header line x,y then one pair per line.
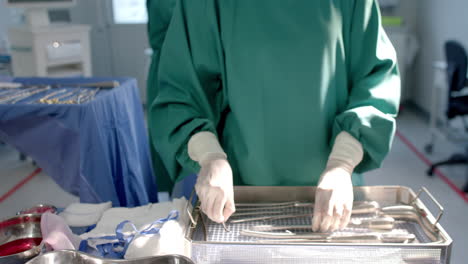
x,y
118,49
90,12
439,21
409,10
4,18
401,38
8,17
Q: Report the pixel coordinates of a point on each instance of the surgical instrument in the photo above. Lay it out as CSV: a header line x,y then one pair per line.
x,y
362,207
225,227
397,211
380,223
69,256
389,237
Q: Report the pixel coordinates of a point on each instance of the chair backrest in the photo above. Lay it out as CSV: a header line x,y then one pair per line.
x,y
457,63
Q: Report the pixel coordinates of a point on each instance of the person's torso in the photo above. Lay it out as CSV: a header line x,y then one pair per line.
x,y
285,81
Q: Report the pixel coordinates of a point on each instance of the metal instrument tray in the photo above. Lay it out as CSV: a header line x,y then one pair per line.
x,y
76,257
210,243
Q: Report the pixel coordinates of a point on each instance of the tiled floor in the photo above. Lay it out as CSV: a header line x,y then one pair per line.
x,y
402,167
41,189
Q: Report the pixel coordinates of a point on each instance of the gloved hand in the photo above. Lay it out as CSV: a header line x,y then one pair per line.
x,y
215,190
334,195
333,200
214,185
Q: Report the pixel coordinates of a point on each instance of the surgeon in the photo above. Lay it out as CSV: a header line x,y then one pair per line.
x,y
275,93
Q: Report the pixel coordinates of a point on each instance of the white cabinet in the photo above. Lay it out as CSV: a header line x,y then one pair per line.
x,y
406,46
51,51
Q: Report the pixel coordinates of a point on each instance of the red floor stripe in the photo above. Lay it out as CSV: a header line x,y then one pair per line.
x,y
20,184
429,163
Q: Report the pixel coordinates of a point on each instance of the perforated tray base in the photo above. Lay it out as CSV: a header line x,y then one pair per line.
x,y
216,232
210,243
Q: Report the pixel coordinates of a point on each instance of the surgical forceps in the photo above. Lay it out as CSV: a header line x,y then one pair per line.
x,y
364,207
379,223
396,212
372,237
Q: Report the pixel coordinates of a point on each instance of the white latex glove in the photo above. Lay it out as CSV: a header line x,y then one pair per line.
x,y
215,190
334,195
214,185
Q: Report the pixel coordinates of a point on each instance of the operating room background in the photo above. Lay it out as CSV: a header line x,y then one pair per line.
x,y
120,49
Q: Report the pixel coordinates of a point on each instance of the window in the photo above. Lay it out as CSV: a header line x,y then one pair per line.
x,y
129,11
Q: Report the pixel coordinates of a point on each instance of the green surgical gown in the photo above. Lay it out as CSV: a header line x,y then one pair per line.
x,y
159,17
276,81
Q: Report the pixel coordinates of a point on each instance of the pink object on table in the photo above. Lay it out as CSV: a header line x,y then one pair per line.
x,y
56,234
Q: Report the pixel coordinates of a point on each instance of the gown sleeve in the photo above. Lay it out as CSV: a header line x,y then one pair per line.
x,y
159,17
373,85
190,99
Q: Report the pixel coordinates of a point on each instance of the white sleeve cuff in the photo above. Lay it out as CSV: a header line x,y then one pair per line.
x,y
204,146
347,152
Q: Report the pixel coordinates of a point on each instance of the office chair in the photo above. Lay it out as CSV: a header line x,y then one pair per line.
x,y
457,63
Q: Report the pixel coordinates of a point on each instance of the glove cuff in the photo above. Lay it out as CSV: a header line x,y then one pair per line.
x,y
346,154
204,146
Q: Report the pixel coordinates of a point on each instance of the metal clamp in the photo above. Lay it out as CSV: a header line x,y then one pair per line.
x,y
103,84
187,208
441,208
